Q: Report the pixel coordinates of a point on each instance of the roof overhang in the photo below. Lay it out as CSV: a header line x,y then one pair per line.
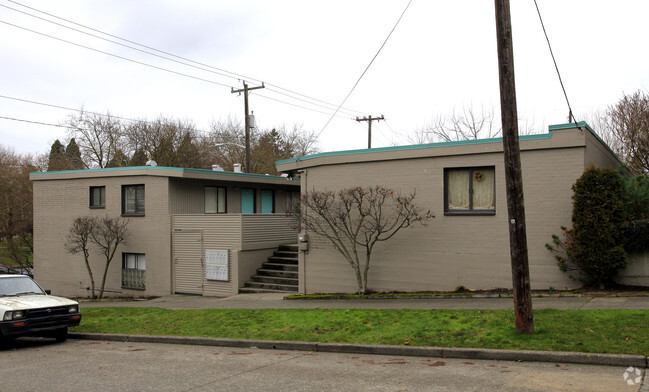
x,y
161,171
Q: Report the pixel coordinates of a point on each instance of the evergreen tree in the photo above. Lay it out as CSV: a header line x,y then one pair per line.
x,y
57,160
118,160
73,156
139,158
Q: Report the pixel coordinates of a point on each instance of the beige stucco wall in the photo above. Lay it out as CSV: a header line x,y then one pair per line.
x,y
58,202
452,251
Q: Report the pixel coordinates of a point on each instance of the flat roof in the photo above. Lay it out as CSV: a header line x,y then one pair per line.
x,y
163,171
435,145
462,147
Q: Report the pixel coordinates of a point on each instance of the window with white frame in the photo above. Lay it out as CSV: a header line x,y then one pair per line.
x,y
133,271
470,191
133,200
215,200
97,197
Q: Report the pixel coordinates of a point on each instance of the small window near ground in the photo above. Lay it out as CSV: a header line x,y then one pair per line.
x,y
133,200
470,191
215,200
97,197
134,271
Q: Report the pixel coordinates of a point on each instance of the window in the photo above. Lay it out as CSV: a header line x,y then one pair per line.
x,y
133,271
133,200
215,200
97,197
292,198
470,191
267,201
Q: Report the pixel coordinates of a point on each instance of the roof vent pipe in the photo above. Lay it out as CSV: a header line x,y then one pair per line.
x,y
237,168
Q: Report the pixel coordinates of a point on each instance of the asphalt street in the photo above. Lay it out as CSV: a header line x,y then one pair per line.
x,y
86,365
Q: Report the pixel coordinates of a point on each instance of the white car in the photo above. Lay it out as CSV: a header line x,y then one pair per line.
x,y
27,310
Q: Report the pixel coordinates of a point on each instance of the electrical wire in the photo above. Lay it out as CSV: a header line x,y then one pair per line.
x,y
186,61
84,111
32,122
115,55
366,68
570,114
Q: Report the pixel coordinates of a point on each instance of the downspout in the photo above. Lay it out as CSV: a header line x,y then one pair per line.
x,y
302,254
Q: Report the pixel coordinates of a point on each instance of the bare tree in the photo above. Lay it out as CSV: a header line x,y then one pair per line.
x,y
355,219
105,234
109,233
99,137
79,240
267,146
16,218
628,123
467,124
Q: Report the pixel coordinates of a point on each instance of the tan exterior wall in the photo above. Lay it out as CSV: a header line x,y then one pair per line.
x,y
452,251
58,202
250,240
188,196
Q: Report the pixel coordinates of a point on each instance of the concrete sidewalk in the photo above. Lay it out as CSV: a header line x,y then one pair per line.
x,y
276,301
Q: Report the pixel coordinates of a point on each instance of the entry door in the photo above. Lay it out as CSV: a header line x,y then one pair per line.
x,y
188,262
247,201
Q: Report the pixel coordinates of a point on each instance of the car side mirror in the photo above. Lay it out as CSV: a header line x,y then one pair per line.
x,y
48,292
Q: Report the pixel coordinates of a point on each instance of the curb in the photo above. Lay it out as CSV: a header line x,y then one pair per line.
x,y
638,361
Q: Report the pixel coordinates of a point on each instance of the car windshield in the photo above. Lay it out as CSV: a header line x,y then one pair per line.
x,y
19,285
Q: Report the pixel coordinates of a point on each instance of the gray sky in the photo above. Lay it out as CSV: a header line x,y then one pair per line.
x,y
441,57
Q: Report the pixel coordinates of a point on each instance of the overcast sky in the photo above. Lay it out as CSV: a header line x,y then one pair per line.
x,y
441,57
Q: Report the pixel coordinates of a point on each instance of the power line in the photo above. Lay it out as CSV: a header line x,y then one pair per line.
x,y
366,68
570,115
115,55
219,71
84,111
32,122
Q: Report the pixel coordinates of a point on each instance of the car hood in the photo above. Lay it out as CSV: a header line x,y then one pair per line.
x,y
33,302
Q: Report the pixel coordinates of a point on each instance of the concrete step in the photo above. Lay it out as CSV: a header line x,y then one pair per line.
x,y
273,279
281,267
289,255
255,290
282,260
271,286
289,247
279,273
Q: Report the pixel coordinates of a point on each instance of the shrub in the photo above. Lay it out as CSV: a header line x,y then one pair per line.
x,y
594,245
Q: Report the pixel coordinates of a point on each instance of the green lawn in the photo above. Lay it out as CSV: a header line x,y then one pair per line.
x,y
596,331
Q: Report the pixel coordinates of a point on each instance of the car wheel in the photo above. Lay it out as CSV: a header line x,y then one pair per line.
x,y
61,335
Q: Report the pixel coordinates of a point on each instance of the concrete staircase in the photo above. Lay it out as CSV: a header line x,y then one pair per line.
x,y
277,275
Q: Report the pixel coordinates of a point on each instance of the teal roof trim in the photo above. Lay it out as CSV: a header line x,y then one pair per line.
x,y
412,147
166,168
580,124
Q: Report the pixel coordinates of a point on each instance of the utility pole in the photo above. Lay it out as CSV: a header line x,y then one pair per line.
x,y
369,127
513,174
245,90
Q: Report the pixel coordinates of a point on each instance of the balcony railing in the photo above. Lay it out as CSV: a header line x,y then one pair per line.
x,y
134,279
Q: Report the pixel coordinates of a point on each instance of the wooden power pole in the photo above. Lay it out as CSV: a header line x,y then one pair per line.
x,y
369,127
513,174
245,90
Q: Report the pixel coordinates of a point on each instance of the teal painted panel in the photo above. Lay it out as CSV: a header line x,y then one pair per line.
x,y
247,201
267,202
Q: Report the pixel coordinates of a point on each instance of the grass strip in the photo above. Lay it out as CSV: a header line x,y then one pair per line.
x,y
593,331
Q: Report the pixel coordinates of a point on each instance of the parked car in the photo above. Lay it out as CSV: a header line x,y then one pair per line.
x,y
28,310
8,270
